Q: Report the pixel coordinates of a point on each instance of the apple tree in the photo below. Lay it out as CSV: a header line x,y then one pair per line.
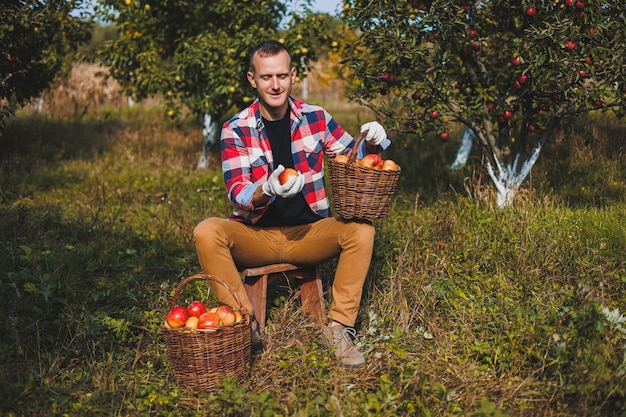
x,y
195,53
37,40
509,71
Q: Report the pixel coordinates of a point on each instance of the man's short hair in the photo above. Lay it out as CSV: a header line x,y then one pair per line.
x,y
268,48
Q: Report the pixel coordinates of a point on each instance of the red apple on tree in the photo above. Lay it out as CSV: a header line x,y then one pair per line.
x,y
434,114
388,77
530,11
177,317
516,60
444,136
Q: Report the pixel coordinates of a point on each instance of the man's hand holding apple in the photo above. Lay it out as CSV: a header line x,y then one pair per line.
x,y
287,189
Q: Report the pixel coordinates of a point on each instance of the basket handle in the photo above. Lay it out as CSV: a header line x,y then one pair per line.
x,y
355,150
207,278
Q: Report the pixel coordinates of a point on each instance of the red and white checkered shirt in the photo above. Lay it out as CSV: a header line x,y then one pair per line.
x,y
247,159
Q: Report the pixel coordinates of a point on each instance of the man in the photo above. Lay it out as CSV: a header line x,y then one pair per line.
x,y
288,222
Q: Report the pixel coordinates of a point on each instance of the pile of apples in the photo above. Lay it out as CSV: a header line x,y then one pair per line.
x,y
196,316
371,160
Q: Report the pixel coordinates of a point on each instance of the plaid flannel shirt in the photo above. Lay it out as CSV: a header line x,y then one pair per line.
x,y
247,160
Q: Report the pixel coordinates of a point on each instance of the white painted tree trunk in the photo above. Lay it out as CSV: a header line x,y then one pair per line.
x,y
464,150
508,179
209,134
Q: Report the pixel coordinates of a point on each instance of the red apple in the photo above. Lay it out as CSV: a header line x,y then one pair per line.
x,y
530,11
284,176
434,114
388,77
208,321
522,78
570,45
597,103
370,160
177,317
416,95
444,136
196,309
516,60
226,315
582,73
579,4
508,114
473,33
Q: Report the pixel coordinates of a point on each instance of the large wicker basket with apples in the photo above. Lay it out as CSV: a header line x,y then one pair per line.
x,y
362,189
205,345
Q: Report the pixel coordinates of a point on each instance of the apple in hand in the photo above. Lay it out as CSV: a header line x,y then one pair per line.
x,y
226,315
196,309
177,317
286,174
208,321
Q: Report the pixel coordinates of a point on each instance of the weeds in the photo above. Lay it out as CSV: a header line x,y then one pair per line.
x,y
468,310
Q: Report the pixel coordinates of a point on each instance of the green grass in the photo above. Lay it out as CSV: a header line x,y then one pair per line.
x,y
468,310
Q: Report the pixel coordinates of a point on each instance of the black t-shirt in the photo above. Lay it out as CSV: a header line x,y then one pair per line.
x,y
284,211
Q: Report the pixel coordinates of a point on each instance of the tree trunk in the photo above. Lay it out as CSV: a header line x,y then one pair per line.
x,y
508,179
209,134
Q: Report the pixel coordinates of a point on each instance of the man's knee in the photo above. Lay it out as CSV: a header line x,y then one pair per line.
x,y
362,231
206,229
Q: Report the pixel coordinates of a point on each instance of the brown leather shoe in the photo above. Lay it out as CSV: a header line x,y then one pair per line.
x,y
340,337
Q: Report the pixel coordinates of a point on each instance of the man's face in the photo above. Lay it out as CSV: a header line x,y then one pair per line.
x,y
273,78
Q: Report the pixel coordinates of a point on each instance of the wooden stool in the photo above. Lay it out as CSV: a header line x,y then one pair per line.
x,y
311,294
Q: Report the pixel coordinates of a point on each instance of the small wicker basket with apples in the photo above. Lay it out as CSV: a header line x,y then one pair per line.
x,y
205,345
362,189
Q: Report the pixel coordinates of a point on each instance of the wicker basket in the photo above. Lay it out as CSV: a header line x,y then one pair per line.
x,y
200,359
360,192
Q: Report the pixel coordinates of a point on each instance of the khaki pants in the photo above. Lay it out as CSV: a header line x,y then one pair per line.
x,y
224,244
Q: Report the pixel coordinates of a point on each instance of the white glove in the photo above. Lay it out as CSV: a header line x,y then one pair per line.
x,y
376,133
290,188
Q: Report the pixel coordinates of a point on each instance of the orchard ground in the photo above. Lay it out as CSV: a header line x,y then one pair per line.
x,y
468,309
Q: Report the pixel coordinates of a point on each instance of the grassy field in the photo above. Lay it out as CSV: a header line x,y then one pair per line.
x,y
469,310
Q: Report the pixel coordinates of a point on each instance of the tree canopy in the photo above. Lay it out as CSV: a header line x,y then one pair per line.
x,y
36,44
510,71
195,54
